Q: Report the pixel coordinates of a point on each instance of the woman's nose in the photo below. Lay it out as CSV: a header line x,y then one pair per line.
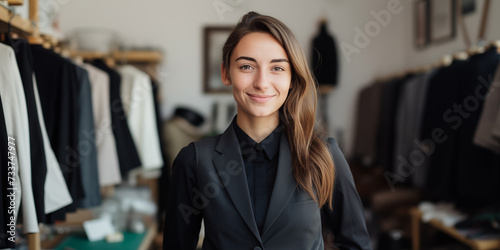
x,y
261,80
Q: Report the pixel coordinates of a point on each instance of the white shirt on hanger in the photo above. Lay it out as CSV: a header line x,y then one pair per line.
x,y
138,104
16,121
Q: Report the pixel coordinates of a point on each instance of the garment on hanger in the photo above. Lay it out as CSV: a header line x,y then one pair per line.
x,y
484,136
408,121
366,143
39,165
477,169
87,144
164,180
390,97
4,164
16,122
107,157
442,93
58,89
138,104
51,183
324,57
57,194
125,146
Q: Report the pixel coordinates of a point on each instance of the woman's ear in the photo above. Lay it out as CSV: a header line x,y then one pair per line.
x,y
224,75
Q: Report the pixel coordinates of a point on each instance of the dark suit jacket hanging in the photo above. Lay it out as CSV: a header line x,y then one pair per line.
x,y
324,58
58,89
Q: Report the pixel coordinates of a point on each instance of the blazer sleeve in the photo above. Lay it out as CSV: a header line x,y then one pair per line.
x,y
183,218
346,220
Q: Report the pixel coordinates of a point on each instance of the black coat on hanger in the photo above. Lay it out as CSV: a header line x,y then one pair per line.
x,y
324,57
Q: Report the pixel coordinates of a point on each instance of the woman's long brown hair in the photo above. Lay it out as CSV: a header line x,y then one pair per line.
x,y
312,163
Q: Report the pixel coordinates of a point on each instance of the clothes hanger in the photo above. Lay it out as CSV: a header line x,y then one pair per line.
x,y
474,50
445,61
7,36
461,55
494,44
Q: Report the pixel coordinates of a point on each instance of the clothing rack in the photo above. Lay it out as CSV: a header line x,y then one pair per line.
x,y
26,28
444,60
471,49
122,56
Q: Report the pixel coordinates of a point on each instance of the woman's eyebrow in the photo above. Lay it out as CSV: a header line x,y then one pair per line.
x,y
279,60
253,59
246,58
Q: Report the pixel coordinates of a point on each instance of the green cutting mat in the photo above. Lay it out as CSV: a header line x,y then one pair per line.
x,y
130,241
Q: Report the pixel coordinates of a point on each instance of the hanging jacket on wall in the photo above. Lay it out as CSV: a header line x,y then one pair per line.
x,y
324,58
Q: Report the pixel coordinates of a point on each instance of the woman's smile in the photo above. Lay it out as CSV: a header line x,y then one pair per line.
x,y
260,98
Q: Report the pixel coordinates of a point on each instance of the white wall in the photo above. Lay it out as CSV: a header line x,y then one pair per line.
x,y
176,27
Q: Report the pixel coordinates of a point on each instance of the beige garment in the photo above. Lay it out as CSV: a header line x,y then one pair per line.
x,y
488,129
178,133
107,157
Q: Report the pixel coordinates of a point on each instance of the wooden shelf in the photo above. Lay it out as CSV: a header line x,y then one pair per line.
x,y
122,56
138,56
88,55
20,25
15,2
473,244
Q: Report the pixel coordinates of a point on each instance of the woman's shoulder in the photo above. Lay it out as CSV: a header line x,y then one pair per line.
x,y
208,142
342,168
331,143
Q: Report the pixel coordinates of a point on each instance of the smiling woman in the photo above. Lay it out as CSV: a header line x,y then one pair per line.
x,y
269,181
260,74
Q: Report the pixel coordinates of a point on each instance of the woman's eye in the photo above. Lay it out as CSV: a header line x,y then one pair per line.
x,y
246,67
278,69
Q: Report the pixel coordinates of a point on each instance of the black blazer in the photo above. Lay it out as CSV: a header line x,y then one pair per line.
x,y
209,183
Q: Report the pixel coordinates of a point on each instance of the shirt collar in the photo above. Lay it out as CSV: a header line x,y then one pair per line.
x,y
270,144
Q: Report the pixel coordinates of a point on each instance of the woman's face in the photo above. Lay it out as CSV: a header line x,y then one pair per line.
x,y
260,74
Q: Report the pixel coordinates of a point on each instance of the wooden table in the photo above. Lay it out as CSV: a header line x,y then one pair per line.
x,y
416,216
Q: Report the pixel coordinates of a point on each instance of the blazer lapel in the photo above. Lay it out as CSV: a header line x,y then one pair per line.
x,y
230,163
284,185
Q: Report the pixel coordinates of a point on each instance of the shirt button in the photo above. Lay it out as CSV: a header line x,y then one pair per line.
x,y
258,147
257,248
